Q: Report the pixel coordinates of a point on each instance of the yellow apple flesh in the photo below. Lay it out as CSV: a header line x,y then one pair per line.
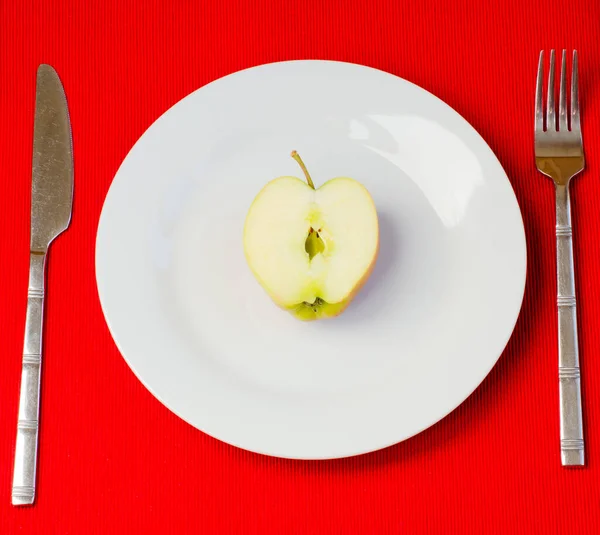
x,y
312,249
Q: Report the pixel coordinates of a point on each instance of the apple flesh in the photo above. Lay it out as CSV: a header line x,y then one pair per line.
x,y
312,249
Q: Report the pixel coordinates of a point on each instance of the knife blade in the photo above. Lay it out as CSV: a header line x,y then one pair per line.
x,y
51,206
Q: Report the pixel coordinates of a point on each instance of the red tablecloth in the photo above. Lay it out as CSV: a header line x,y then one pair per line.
x,y
112,458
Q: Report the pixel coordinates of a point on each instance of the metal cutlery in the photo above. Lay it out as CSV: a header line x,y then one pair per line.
x,y
559,155
51,203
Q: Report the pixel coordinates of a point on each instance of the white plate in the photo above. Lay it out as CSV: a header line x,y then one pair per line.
x,y
203,337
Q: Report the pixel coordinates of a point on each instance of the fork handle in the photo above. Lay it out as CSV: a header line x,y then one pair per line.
x,y
24,475
571,423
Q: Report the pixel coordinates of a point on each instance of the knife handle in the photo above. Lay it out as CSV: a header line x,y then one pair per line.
x,y
24,475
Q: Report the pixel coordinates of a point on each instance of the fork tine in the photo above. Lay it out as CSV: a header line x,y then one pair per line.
x,y
550,111
539,97
562,102
575,94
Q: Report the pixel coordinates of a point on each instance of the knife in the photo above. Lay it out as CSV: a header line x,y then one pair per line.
x,y
51,204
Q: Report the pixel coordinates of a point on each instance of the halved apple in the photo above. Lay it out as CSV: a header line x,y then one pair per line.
x,y
312,249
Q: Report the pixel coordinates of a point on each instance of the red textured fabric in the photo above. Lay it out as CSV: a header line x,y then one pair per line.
x,y
112,458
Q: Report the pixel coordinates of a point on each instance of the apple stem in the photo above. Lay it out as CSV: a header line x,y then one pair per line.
x,y
296,157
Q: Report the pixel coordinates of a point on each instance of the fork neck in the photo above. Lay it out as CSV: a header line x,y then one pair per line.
x,y
563,205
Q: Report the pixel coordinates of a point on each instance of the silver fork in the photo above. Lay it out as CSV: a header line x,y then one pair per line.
x,y
559,155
